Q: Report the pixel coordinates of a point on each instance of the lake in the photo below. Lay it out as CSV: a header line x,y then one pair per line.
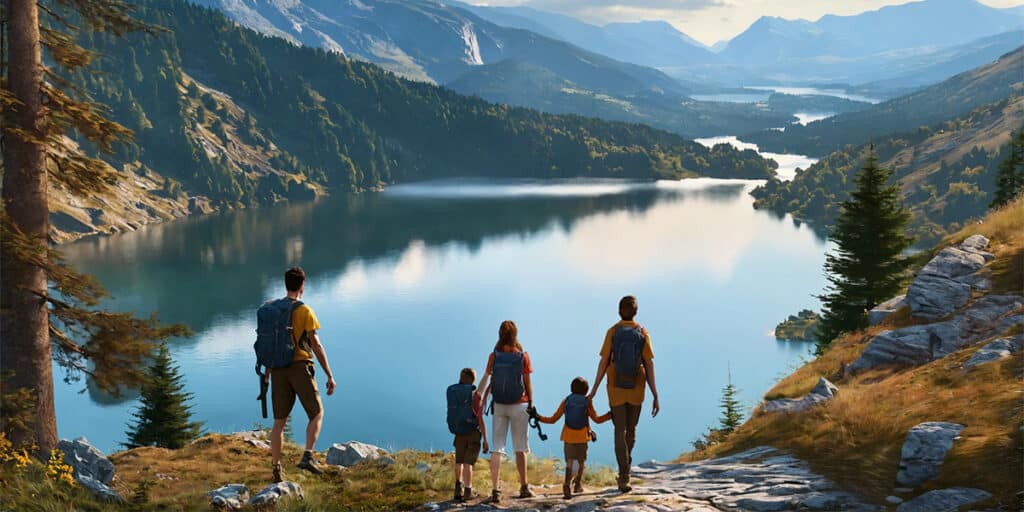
x,y
411,284
788,163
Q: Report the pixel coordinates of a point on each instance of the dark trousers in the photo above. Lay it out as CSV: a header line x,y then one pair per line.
x,y
625,417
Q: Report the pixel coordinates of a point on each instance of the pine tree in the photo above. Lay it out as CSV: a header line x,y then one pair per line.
x,y
164,418
732,415
47,311
1010,177
868,265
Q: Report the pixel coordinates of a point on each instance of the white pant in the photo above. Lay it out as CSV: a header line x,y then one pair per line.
x,y
513,415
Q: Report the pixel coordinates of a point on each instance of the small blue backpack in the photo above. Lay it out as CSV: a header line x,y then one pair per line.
x,y
275,347
461,419
627,346
507,377
577,411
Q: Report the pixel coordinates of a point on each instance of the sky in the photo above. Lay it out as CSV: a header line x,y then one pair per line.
x,y
707,21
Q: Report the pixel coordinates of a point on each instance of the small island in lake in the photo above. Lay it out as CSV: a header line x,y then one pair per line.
x,y
798,327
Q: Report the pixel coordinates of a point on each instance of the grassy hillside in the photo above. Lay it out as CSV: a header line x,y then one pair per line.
x,y
856,438
947,172
949,99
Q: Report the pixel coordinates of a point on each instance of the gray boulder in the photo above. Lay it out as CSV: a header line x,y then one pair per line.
x,y
996,350
944,284
273,492
352,453
919,344
229,497
977,244
92,469
883,310
944,500
257,438
924,450
87,460
822,392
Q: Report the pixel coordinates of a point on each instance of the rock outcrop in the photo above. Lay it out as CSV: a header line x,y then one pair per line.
x,y
229,497
92,469
354,452
760,479
996,350
924,450
270,494
883,310
986,317
944,500
944,285
257,438
822,392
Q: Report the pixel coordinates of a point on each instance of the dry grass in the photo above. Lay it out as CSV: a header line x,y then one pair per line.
x,y
182,477
856,438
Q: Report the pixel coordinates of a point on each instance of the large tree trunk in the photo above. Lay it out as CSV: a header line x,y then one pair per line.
x,y
24,321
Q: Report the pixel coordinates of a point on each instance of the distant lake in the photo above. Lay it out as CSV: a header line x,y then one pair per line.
x,y
758,93
411,284
788,163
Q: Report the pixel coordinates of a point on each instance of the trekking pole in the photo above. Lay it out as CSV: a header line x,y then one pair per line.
x,y
535,423
263,391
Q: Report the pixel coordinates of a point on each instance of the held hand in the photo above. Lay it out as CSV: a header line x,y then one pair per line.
x,y
590,396
331,385
655,408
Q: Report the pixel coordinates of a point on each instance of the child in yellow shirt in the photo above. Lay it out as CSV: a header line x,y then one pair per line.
x,y
578,411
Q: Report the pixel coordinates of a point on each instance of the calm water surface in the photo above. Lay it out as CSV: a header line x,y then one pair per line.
x,y
411,284
788,163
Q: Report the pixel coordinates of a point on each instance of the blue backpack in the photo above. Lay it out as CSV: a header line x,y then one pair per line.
x,y
577,411
507,377
627,346
275,347
461,419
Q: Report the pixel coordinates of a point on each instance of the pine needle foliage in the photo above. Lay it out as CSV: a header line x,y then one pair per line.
x,y
732,411
1010,176
164,418
868,265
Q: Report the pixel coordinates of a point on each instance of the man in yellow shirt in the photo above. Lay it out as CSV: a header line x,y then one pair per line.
x,y
298,379
630,342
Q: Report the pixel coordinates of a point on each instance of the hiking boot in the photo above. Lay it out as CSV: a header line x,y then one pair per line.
x,y
309,464
624,484
458,492
495,496
278,474
468,494
577,487
525,492
566,492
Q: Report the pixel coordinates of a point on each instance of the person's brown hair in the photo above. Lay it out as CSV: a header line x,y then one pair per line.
x,y
293,279
627,307
580,386
508,336
467,376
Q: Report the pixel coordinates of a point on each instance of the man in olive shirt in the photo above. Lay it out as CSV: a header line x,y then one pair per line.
x,y
298,379
626,402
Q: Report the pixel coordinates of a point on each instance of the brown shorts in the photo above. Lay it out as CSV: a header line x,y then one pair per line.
x,y
576,451
467,448
295,380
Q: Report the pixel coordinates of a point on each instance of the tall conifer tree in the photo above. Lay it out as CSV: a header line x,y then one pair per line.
x,y
164,418
868,265
38,109
1010,177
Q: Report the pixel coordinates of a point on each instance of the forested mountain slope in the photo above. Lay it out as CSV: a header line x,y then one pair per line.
x,y
231,117
946,100
947,172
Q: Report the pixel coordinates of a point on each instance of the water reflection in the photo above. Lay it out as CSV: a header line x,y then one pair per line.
x,y
411,284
